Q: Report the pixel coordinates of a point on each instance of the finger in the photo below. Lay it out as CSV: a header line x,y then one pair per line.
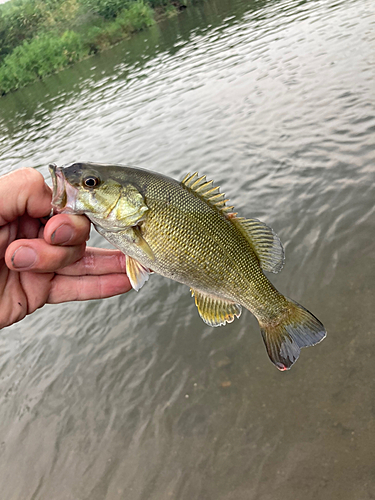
x,y
97,261
23,227
7,234
28,227
23,191
64,229
38,256
68,288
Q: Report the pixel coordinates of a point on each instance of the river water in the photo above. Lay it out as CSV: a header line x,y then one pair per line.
x,y
134,397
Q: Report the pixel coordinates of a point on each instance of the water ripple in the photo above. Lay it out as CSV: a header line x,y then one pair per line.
x,y
275,102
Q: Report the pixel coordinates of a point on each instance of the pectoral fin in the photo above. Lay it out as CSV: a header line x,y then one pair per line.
x,y
137,273
134,235
215,311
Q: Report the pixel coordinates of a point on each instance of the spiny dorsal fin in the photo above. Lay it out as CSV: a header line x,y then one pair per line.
x,y
206,191
264,241
215,311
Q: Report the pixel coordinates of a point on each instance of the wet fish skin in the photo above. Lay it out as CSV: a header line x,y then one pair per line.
x,y
185,231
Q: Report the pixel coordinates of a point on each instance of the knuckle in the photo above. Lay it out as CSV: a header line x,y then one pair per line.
x,y
32,175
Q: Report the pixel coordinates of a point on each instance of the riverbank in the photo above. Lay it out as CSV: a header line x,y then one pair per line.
x,y
42,37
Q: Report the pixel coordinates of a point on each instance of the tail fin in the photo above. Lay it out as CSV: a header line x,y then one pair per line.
x,y
296,328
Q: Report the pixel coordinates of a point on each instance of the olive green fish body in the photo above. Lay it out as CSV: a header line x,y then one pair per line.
x,y
197,245
185,231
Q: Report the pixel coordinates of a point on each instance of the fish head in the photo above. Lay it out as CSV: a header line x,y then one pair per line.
x,y
98,191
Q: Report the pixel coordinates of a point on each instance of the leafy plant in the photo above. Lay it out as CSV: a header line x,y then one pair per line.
x,y
108,9
38,58
39,37
137,17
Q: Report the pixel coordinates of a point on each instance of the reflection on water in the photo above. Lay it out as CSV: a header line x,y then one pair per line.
x,y
275,102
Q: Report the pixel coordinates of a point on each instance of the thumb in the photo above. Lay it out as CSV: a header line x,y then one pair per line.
x,y
23,191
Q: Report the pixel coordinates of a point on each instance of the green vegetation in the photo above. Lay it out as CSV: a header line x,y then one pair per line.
x,y
38,58
39,37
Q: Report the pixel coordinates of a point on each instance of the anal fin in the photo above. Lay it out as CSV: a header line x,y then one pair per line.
x,y
137,273
215,311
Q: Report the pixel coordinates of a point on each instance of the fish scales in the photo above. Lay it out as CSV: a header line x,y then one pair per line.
x,y
198,238
185,231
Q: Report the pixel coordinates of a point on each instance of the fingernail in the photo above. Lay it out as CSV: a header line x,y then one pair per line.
x,y
63,234
24,257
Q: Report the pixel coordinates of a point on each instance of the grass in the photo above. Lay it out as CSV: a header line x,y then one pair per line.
x,y
40,37
38,58
101,36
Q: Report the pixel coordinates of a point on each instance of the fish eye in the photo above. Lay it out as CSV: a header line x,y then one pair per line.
x,y
91,181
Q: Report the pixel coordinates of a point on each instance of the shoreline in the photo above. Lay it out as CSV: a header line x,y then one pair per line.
x,y
49,52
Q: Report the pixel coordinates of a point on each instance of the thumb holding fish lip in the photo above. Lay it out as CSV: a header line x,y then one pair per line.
x,y
43,248
23,191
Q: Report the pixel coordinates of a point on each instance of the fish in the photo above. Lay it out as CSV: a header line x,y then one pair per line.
x,y
186,231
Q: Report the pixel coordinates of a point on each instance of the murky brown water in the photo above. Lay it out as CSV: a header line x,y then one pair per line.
x,y
134,397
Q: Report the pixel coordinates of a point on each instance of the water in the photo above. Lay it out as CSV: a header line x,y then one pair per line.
x,y
134,397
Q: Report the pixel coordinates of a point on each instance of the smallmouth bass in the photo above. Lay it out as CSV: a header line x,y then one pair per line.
x,y
186,231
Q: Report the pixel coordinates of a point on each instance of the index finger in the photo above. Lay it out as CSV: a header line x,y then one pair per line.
x,y
97,261
23,191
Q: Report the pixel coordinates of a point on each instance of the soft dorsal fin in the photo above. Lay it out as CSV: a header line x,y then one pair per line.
x,y
264,241
206,191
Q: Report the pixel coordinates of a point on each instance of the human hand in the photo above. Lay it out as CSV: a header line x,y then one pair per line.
x,y
48,262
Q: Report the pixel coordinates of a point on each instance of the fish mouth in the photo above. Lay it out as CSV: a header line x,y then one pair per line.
x,y
64,195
